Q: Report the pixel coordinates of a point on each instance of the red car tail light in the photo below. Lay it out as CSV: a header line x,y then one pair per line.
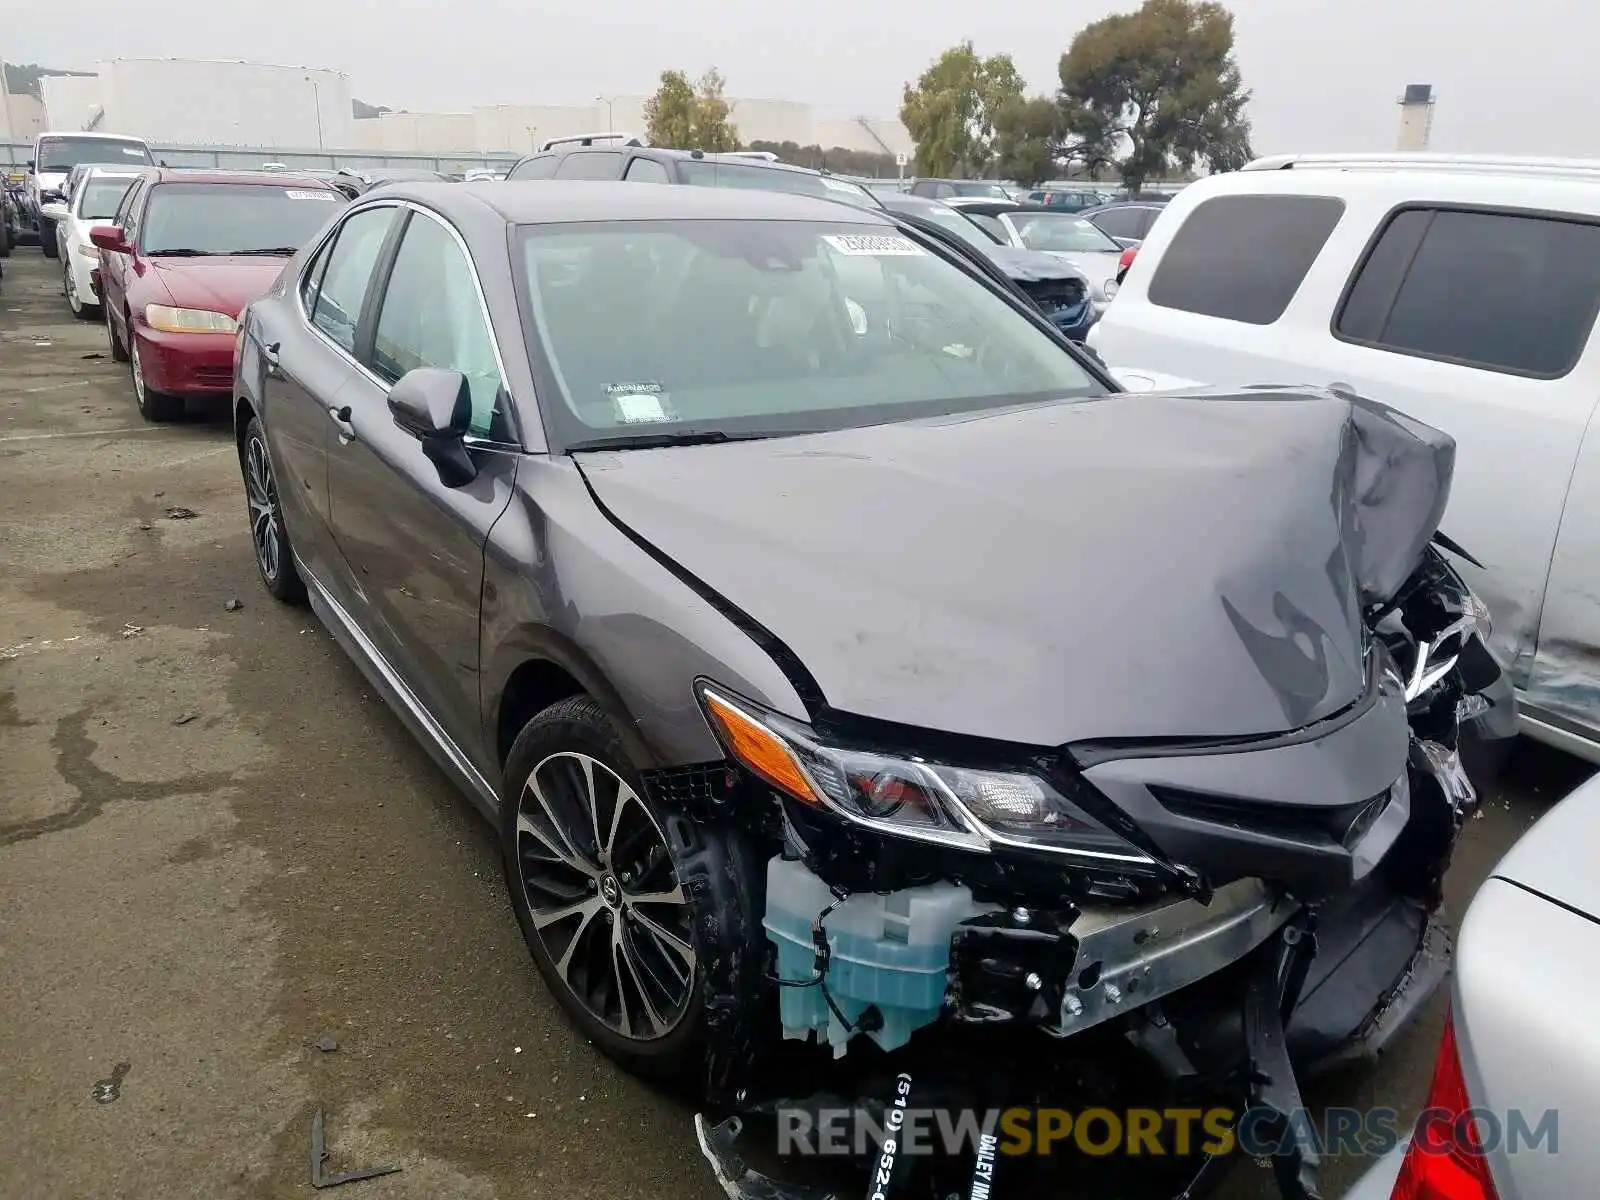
x,y
1126,260
1445,1160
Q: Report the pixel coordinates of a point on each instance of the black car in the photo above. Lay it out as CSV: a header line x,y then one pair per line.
x,y
1060,289
1126,221
839,655
621,157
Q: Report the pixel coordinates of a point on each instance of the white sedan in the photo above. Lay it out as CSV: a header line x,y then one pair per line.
x,y
93,201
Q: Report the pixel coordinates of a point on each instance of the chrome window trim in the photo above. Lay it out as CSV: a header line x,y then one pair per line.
x,y
477,286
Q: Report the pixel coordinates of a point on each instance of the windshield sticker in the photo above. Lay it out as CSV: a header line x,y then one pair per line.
x,y
837,185
873,245
639,403
298,194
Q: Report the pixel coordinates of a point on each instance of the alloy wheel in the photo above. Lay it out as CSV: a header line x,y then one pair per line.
x,y
261,493
604,896
138,374
71,286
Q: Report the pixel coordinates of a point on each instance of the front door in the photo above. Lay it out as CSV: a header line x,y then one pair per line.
x,y
414,546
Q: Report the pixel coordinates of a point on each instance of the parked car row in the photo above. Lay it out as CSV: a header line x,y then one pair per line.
x,y
991,669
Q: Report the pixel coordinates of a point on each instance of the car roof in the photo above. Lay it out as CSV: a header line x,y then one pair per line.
x,y
89,133
106,170
264,178
550,201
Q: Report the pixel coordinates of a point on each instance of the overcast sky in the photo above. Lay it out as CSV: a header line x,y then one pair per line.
x,y
1326,74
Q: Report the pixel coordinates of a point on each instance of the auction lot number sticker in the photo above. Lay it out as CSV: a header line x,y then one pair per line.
x,y
875,245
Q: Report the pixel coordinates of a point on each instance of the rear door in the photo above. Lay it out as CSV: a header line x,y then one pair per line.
x,y
413,545
308,348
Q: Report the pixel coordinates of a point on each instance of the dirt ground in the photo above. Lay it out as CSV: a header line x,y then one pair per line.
x,y
218,848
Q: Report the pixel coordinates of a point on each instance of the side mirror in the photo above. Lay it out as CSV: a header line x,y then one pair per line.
x,y
30,164
435,407
109,237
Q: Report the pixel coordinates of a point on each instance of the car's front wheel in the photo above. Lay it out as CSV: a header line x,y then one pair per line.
x,y
119,352
153,405
84,310
268,536
644,924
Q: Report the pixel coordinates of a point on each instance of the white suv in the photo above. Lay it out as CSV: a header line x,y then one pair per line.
x,y
1460,290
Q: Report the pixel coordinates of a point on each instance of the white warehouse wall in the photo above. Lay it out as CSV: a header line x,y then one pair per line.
x,y
21,118
426,132
70,101
197,102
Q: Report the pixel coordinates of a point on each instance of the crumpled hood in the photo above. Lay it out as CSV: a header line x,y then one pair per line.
x,y
1129,566
1030,266
221,283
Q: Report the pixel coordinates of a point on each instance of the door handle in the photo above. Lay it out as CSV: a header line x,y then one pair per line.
x,y
341,418
269,355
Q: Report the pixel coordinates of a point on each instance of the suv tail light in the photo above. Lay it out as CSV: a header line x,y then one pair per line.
x,y
1445,1160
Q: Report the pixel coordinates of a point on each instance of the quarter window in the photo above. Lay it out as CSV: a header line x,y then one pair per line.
x,y
1242,258
1504,291
594,164
431,317
336,306
646,170
543,167
1121,222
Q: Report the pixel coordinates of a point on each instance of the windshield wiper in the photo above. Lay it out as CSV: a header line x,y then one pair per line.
x,y
653,441
179,252
275,250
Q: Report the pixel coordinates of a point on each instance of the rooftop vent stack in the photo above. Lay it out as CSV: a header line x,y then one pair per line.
x,y
1416,117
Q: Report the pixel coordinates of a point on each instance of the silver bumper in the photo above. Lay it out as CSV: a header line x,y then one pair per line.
x,y
1129,957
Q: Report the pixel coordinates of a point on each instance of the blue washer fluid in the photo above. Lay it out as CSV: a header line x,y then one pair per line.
x,y
890,950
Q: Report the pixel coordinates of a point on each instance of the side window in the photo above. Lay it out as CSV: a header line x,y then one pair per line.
x,y
311,280
1120,222
1498,290
1147,218
431,317
543,167
1241,258
593,164
943,189
343,286
646,170
128,214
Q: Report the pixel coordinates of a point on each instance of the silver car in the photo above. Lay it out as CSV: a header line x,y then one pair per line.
x,y
1517,1051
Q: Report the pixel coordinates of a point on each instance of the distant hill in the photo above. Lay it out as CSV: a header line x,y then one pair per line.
x,y
22,79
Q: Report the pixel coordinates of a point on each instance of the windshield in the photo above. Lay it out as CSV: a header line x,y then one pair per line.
x,y
101,197
711,173
988,191
759,328
1060,231
64,153
234,218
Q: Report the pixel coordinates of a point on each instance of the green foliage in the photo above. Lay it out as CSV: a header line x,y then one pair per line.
x,y
1027,134
950,112
1154,90
690,116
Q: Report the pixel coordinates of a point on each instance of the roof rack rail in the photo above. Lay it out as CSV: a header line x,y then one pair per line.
x,y
589,139
763,155
1486,164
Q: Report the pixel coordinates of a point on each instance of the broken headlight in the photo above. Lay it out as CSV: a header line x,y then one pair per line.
x,y
909,796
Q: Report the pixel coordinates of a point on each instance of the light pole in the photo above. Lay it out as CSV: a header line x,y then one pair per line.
x,y
610,128
316,99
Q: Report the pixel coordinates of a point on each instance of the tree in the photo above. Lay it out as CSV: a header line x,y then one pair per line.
x,y
1028,134
690,116
950,112
1155,89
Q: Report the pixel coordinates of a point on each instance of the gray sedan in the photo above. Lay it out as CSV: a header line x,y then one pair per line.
x,y
1518,1051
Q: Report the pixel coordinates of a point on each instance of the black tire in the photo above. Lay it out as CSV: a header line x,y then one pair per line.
x,y
154,406
712,1048
119,352
277,570
47,238
6,238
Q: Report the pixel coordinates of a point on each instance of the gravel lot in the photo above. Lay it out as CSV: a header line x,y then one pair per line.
x,y
218,847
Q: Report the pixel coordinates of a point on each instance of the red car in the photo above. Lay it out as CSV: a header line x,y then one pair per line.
x,y
188,251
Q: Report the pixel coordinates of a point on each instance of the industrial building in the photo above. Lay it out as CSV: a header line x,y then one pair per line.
x,y
201,102
520,128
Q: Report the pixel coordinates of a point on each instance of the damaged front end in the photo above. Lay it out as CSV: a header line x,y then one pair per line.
x,y
968,924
